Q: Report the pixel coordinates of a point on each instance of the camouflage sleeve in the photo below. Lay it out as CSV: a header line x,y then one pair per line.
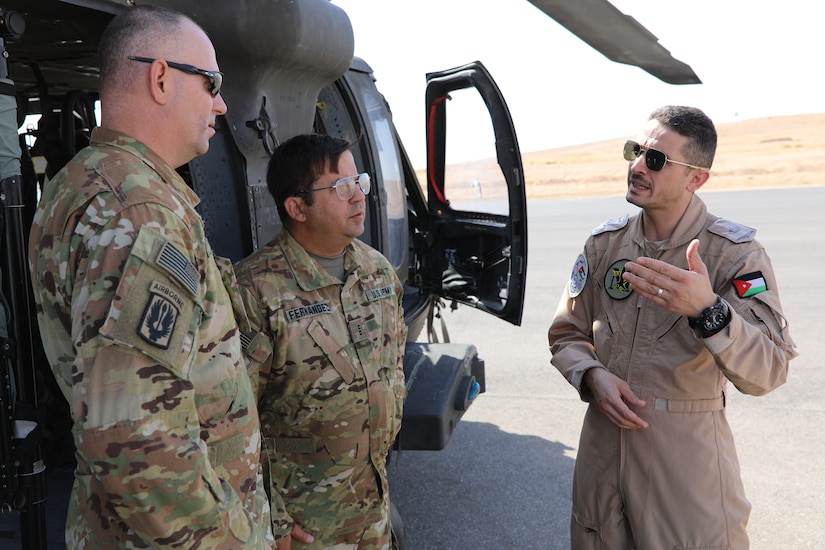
x,y
260,357
258,352
140,440
401,339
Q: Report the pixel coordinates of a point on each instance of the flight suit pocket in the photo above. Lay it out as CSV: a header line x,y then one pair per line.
x,y
763,310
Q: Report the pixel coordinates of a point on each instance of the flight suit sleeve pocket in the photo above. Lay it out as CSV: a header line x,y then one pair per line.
x,y
154,311
333,350
763,310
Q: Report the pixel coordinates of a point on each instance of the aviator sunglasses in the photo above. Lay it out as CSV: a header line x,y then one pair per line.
x,y
655,160
345,187
215,78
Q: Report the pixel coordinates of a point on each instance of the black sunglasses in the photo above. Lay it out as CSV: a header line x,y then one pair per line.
x,y
215,78
655,160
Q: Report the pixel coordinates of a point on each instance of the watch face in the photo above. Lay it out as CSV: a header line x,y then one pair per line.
x,y
715,319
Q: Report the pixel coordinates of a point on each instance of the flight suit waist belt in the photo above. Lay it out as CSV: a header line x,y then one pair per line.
x,y
690,405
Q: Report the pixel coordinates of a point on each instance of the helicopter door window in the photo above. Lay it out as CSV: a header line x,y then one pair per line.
x,y
390,167
473,180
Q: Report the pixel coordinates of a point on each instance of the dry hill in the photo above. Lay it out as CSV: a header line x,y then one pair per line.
x,y
767,152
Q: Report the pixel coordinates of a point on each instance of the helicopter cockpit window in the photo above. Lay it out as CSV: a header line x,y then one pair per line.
x,y
473,179
390,166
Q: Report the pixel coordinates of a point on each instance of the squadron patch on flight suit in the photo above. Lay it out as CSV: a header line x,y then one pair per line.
x,y
750,284
160,315
578,277
615,286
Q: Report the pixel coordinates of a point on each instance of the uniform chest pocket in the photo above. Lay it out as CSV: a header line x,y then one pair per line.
x,y
334,350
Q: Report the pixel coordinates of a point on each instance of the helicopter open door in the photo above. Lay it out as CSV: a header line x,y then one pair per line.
x,y
478,258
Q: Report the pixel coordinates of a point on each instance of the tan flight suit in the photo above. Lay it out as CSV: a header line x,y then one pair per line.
x,y
329,364
675,484
138,327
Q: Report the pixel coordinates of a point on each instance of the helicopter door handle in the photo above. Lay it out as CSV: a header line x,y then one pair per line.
x,y
263,125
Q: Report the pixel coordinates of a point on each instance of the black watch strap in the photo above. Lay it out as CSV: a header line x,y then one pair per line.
x,y
712,319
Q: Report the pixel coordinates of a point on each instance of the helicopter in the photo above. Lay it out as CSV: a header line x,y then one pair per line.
x,y
291,70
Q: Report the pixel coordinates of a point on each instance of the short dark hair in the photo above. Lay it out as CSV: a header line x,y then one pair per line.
x,y
135,31
298,162
695,125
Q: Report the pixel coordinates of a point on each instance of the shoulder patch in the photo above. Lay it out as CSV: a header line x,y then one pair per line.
x,y
578,277
750,284
613,224
175,262
732,231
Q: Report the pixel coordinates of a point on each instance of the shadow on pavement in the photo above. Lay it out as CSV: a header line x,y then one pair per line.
x,y
488,489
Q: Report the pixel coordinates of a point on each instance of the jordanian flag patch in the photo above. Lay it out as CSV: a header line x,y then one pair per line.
x,y
750,284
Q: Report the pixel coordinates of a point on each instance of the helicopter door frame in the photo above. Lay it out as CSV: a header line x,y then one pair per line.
x,y
479,259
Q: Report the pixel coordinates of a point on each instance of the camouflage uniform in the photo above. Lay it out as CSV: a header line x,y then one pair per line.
x,y
329,362
138,327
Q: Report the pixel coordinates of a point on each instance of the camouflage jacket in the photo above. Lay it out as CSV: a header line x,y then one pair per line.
x,y
328,364
137,325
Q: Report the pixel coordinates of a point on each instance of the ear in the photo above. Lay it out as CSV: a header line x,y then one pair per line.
x,y
294,207
159,82
698,178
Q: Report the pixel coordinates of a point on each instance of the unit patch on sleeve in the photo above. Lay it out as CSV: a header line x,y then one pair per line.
x,y
615,286
578,277
750,284
160,315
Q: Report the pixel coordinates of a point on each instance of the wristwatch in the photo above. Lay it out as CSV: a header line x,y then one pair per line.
x,y
711,320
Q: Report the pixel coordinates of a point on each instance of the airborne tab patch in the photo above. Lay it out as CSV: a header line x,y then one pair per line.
x,y
750,284
310,310
160,315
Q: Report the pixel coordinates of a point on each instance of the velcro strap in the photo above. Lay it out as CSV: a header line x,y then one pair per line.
x,y
226,450
294,445
690,405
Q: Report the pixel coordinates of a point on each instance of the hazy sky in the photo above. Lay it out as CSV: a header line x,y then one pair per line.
x,y
756,58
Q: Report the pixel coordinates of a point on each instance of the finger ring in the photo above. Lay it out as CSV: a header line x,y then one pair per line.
x,y
660,292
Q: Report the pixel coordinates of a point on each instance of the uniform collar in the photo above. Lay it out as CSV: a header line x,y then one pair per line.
x,y
112,138
308,273
689,226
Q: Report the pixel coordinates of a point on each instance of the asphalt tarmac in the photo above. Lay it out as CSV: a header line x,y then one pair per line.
x,y
504,479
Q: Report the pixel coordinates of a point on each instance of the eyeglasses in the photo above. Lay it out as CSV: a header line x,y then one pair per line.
x,y
655,160
215,78
345,187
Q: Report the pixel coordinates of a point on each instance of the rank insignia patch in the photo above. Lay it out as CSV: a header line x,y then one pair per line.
x,y
578,277
615,286
160,315
358,329
750,284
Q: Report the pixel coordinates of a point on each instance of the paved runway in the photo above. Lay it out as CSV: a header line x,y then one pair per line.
x,y
503,482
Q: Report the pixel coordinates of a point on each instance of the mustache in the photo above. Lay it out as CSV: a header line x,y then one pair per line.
x,y
635,177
